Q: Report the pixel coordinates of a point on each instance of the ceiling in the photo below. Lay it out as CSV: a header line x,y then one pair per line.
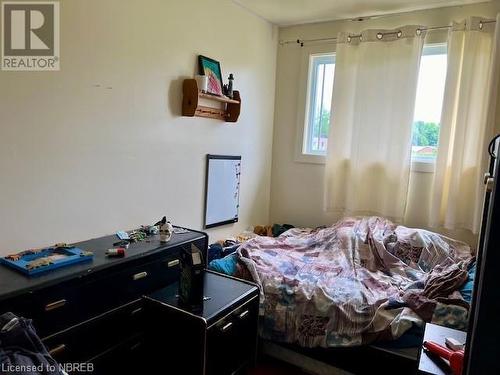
x,y
290,12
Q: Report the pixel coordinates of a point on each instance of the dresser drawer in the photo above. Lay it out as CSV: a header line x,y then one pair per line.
x,y
122,287
143,279
51,309
232,340
245,321
222,346
91,338
59,307
129,357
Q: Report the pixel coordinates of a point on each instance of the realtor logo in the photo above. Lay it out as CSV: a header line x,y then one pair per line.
x,y
30,35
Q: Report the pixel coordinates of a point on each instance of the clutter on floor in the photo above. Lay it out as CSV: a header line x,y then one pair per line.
x,y
22,348
272,230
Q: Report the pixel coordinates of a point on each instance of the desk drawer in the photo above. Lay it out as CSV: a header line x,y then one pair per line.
x,y
59,307
231,342
131,284
222,346
144,279
51,309
89,339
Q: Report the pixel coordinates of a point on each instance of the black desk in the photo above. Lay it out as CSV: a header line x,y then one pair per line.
x,y
219,340
438,334
93,312
14,283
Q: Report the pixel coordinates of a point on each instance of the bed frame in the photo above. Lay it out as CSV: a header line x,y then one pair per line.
x,y
372,359
482,346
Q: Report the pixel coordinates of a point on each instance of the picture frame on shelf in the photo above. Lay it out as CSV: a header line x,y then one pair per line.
x,y
211,68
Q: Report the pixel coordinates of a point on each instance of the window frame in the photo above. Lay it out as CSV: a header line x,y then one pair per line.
x,y
420,165
315,61
433,38
304,107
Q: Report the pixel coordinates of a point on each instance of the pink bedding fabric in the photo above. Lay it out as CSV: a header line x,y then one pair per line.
x,y
360,280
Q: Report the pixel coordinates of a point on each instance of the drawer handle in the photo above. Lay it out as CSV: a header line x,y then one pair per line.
x,y
173,263
140,275
243,314
58,349
226,327
55,305
136,311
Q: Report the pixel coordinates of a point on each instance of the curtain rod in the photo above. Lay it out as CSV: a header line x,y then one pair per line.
x,y
334,39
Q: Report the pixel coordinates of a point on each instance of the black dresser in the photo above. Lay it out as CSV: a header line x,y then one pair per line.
x,y
93,312
219,340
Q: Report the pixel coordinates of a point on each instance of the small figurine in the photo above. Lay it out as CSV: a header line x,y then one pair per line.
x,y
227,89
18,256
230,86
62,245
41,262
166,229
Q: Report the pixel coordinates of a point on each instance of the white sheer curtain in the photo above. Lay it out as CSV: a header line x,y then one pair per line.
x,y
368,158
467,124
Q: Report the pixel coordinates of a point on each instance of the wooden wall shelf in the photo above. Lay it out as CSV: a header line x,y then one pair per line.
x,y
229,110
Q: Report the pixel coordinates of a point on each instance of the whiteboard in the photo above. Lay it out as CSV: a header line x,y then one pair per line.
x,y
222,190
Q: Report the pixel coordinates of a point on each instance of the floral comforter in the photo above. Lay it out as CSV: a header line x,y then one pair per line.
x,y
360,280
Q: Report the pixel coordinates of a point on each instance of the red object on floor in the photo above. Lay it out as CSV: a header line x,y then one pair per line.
x,y
456,358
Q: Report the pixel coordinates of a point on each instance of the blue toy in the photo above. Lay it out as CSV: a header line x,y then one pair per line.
x,y
34,262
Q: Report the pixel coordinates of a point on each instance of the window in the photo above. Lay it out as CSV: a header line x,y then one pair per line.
x,y
319,101
429,103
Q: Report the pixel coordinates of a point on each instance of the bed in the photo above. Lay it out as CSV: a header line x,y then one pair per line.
x,y
357,282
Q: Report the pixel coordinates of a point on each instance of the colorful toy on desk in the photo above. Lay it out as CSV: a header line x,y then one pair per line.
x,y
163,227
150,230
62,245
455,357
122,235
35,261
124,244
118,252
18,256
137,235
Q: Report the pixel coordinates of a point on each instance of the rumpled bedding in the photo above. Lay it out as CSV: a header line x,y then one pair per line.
x,y
358,281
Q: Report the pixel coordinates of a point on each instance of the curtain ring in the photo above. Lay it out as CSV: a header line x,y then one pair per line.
x,y
418,32
380,36
399,34
361,38
348,39
480,25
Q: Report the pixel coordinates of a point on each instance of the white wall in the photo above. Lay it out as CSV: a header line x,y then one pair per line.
x,y
100,145
297,188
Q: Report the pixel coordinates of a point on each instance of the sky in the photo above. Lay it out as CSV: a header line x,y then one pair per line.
x,y
430,90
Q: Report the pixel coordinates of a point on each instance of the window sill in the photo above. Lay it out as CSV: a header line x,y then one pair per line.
x,y
310,159
416,166
423,166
